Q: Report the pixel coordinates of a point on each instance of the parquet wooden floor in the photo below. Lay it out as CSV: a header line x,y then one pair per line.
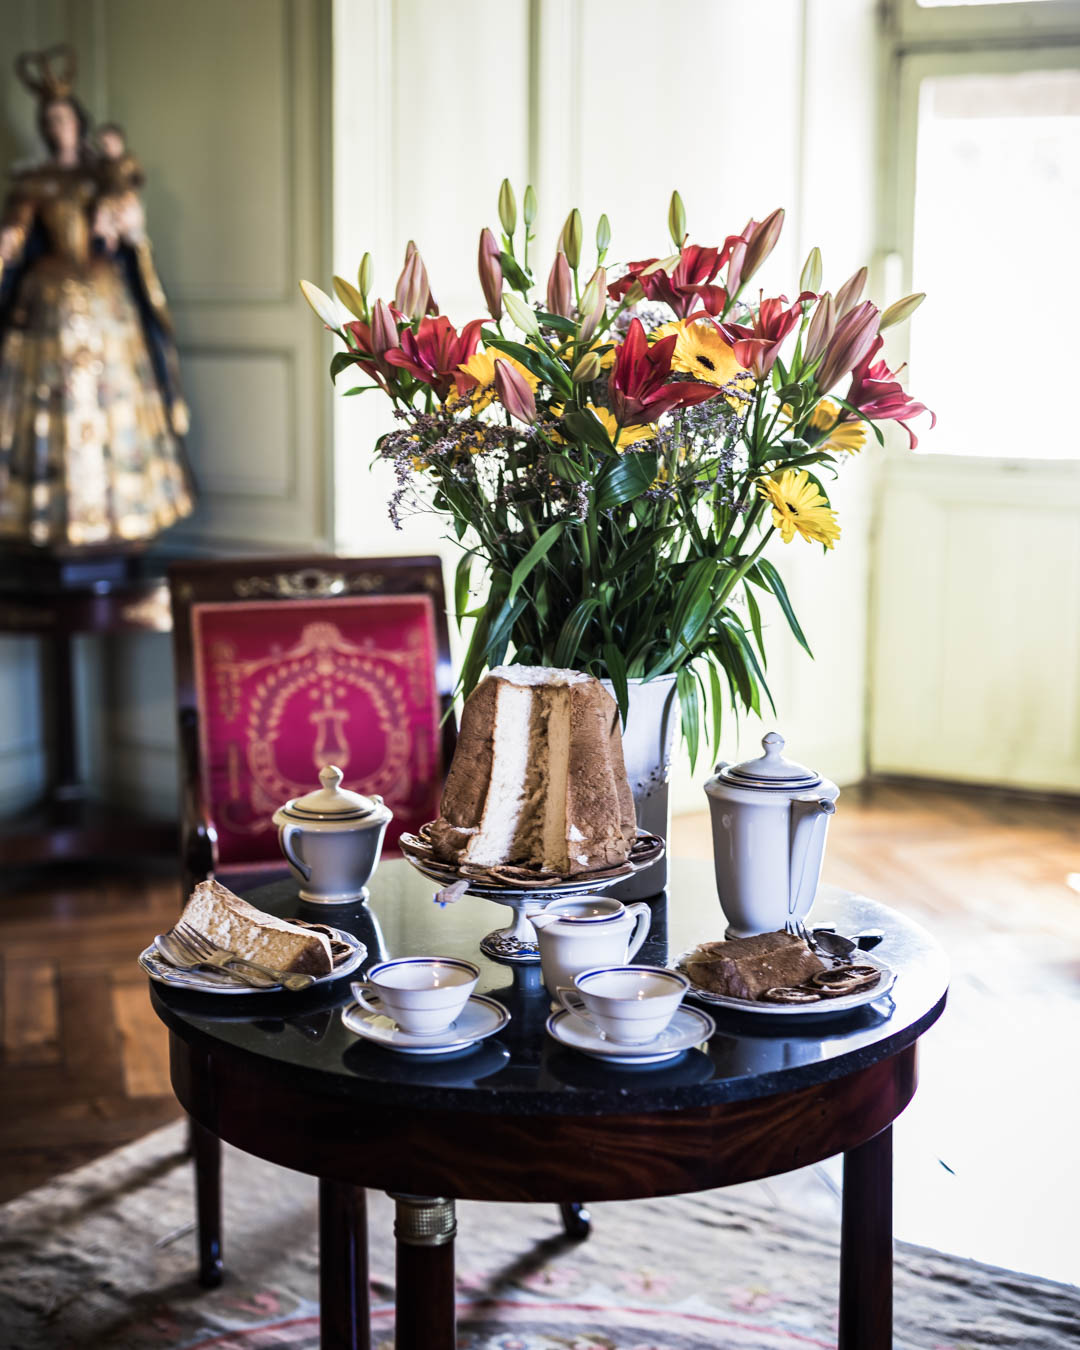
x,y
84,1063
984,1154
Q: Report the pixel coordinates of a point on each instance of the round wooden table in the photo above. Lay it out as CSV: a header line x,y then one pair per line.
x,y
521,1118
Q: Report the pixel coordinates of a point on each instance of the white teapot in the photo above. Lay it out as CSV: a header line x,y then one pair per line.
x,y
332,839
769,818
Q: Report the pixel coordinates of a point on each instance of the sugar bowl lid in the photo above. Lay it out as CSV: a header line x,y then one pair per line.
x,y
770,770
332,802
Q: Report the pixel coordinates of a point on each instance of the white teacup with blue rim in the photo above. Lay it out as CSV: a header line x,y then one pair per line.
x,y
422,994
629,1005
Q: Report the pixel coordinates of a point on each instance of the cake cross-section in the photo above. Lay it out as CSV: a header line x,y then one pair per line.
x,y
538,778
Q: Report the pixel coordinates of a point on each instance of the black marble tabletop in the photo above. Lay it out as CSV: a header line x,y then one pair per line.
x,y
523,1071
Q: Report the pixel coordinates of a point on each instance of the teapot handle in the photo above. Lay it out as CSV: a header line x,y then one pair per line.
x,y
285,837
642,922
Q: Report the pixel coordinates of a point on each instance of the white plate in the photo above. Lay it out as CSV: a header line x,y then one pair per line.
x,y
481,1017
216,982
827,1007
687,1028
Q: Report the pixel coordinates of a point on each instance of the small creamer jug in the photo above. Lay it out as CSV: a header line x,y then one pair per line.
x,y
585,931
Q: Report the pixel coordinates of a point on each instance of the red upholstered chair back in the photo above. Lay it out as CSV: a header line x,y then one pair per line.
x,y
286,665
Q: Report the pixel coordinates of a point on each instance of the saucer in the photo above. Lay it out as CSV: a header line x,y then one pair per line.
x,y
480,1017
688,1027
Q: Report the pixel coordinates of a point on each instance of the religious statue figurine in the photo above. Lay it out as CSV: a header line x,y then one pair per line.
x,y
91,414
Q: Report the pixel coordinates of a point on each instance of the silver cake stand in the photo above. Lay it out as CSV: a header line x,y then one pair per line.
x,y
517,943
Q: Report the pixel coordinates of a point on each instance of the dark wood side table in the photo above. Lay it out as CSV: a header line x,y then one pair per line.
x,y
54,598
521,1118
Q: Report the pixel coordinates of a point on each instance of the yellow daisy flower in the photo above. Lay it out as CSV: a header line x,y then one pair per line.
x,y
621,437
481,366
797,504
849,437
700,350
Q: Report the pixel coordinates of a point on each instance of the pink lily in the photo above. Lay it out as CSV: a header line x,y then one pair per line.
x,y
514,392
560,295
877,394
750,249
757,347
852,339
491,277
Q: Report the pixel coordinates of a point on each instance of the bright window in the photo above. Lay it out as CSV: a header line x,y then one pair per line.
x,y
997,200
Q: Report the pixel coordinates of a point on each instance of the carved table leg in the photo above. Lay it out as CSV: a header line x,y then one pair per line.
x,y
206,1152
866,1247
344,1309
425,1309
577,1221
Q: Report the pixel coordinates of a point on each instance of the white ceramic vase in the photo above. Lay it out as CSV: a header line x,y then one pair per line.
x,y
648,739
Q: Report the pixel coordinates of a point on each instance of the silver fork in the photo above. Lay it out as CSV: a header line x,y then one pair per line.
x,y
200,951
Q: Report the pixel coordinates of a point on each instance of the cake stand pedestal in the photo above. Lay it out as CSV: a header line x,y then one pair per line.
x,y
517,943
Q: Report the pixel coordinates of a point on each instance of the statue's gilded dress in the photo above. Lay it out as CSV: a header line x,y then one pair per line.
x,y
91,415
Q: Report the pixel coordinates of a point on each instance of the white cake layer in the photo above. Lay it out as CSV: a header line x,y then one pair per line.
x,y
534,675
493,843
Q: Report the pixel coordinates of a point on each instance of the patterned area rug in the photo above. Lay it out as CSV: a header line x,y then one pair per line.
x,y
103,1257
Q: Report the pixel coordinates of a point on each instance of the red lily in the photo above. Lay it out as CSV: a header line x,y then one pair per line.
x,y
756,347
636,387
877,394
686,285
434,352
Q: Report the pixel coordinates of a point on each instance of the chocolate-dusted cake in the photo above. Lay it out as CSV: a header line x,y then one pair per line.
x,y
538,778
748,967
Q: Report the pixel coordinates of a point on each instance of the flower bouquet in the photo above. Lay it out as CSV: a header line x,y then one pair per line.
x,y
616,453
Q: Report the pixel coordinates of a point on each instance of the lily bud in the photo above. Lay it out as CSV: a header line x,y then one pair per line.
x,y
810,278
514,392
634,295
350,297
851,341
322,304
570,239
523,315
491,277
901,310
676,220
603,235
363,276
560,297
384,333
847,297
762,242
528,206
507,207
593,304
587,369
821,327
411,294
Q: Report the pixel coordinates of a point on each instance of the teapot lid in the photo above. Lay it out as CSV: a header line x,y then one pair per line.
x,y
770,770
331,801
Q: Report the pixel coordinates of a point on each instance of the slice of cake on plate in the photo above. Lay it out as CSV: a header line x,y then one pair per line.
x,y
235,926
538,778
747,967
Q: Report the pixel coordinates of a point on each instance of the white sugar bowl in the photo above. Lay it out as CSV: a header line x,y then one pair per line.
x,y
769,818
332,839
